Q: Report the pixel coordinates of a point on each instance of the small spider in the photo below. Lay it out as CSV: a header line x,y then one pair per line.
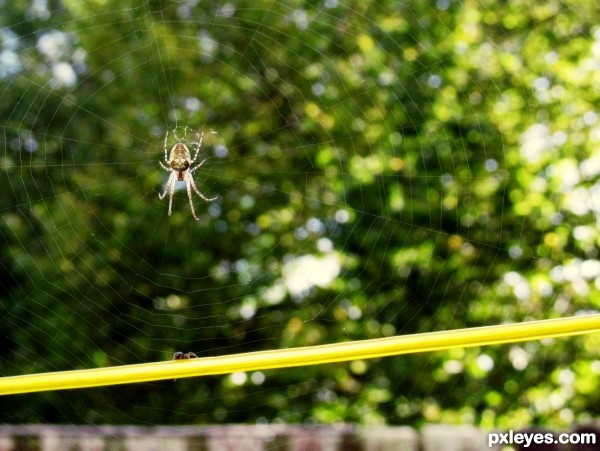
x,y
179,164
184,356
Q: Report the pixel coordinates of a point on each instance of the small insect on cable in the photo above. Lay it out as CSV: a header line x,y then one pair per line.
x,y
184,356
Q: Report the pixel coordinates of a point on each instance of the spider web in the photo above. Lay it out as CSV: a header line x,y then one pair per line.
x,y
380,169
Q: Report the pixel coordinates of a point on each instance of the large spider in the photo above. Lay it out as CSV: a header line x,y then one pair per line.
x,y
179,164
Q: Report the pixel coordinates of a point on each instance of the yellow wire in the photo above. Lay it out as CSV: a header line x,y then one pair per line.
x,y
292,357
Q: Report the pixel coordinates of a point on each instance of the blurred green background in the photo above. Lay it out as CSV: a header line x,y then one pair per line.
x,y
382,168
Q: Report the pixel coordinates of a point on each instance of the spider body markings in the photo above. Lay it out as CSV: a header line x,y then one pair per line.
x,y
179,163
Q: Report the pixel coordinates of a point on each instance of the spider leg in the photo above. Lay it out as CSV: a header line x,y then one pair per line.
x,y
201,136
172,181
207,199
197,166
177,138
166,137
166,168
188,182
162,196
170,187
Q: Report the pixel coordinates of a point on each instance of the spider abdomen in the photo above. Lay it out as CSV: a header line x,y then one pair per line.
x,y
180,164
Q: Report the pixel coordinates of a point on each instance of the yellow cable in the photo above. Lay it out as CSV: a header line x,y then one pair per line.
x,y
292,357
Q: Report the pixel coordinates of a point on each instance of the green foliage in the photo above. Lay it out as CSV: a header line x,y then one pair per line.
x,y
448,154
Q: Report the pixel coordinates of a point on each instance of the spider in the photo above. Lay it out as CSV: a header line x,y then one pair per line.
x,y
179,164
184,355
